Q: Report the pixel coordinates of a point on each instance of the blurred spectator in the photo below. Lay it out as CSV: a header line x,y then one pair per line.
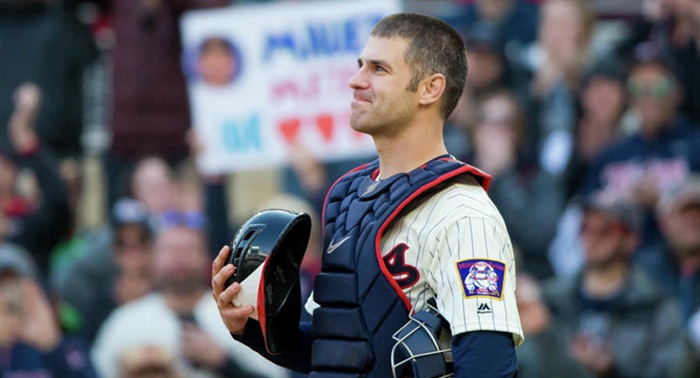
x,y
148,361
459,125
106,278
686,62
650,32
603,101
31,342
180,317
53,50
618,322
675,263
488,68
544,354
660,155
34,210
146,58
153,183
310,178
529,198
565,31
515,20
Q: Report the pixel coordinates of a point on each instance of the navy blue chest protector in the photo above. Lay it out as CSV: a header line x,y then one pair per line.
x,y
361,304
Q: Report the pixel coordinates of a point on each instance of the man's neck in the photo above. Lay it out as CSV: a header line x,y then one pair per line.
x,y
603,282
183,303
409,149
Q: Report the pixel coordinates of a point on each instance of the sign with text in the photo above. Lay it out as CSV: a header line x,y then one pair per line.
x,y
264,79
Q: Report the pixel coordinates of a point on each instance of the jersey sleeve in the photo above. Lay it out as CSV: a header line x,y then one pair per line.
x,y
476,285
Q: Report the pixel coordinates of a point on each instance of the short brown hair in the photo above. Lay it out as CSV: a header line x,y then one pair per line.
x,y
434,47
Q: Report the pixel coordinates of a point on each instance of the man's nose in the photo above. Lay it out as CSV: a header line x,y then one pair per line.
x,y
359,80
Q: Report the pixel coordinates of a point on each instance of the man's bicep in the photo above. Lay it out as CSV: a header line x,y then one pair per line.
x,y
476,288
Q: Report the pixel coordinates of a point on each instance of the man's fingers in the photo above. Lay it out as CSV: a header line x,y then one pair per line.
x,y
239,312
218,283
227,295
219,260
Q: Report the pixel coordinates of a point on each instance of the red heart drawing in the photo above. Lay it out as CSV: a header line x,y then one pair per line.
x,y
325,125
290,129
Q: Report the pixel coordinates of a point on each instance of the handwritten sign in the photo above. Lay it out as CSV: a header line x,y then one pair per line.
x,y
264,78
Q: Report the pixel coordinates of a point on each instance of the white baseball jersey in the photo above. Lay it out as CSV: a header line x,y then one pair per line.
x,y
453,245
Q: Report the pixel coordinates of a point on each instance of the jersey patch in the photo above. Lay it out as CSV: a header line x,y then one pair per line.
x,y
482,278
405,275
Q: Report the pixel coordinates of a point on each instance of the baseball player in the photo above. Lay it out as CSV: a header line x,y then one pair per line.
x,y
412,226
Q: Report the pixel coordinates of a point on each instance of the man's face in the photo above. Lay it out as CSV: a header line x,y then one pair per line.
x,y
604,99
682,228
654,95
216,66
181,260
485,69
153,186
381,101
132,248
604,240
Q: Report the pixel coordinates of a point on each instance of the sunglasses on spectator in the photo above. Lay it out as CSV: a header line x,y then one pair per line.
x,y
658,89
190,219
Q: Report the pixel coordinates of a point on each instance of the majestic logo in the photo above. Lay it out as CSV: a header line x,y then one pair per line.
x,y
333,246
482,278
483,309
404,275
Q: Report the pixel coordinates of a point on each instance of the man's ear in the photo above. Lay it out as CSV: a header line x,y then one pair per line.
x,y
431,88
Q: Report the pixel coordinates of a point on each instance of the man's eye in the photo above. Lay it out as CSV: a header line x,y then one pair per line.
x,y
379,69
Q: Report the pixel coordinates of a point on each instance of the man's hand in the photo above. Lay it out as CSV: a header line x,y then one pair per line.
x,y
199,348
20,128
39,327
596,355
235,318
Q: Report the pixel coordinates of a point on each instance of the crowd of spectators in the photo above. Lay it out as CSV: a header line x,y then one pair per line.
x,y
587,116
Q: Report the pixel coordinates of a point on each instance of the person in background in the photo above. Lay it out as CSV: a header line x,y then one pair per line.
x,y
33,199
640,167
95,288
180,317
603,102
686,59
674,262
565,32
153,183
31,342
615,319
530,198
55,50
147,57
515,20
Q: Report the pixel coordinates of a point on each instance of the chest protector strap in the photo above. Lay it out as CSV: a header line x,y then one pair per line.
x,y
361,304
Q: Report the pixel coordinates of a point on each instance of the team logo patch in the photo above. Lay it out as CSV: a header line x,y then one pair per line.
x,y
482,278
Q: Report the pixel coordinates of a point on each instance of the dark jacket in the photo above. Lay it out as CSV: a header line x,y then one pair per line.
x,y
641,324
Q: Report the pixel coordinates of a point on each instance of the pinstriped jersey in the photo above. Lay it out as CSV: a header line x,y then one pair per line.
x,y
453,245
